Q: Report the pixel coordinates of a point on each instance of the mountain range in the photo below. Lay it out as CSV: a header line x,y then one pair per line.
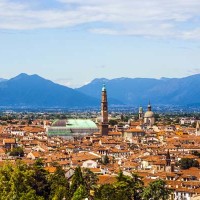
x,y
34,91
138,91
2,79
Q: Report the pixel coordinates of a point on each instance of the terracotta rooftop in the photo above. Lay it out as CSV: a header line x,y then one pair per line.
x,y
106,179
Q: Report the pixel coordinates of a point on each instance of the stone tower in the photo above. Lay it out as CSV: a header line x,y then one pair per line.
x,y
168,159
104,112
169,167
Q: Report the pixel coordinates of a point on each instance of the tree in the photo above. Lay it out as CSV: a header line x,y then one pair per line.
x,y
156,116
137,185
30,195
196,153
90,181
77,180
40,181
186,163
80,194
105,192
5,181
113,122
121,176
15,182
126,188
122,190
60,193
135,146
21,182
133,186
84,179
18,151
59,186
29,122
105,160
156,190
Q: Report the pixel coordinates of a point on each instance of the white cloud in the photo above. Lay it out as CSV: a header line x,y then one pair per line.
x,y
67,82
64,81
193,34
193,71
154,18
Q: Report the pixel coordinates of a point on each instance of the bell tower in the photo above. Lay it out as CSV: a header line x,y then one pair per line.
x,y
168,159
104,112
169,166
140,113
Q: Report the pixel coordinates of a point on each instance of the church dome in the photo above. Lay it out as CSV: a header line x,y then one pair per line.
x,y
148,114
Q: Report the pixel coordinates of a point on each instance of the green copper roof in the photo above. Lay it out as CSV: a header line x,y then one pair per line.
x,y
60,132
80,123
59,122
72,127
75,123
104,88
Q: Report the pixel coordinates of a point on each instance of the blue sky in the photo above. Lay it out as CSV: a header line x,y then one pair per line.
x,y
73,41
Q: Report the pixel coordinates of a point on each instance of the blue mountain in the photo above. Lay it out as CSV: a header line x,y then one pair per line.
x,y
35,91
2,79
138,91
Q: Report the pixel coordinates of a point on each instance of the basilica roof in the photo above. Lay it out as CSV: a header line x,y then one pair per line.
x,y
75,123
59,122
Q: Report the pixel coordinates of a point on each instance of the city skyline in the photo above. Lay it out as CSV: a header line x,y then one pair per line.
x,y
71,42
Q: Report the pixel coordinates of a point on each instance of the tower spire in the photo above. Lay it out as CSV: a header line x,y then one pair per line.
x,y
149,106
104,87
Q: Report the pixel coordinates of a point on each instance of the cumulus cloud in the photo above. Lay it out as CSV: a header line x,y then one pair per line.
x,y
151,18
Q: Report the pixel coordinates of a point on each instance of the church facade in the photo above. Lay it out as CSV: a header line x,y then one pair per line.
x,y
148,117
